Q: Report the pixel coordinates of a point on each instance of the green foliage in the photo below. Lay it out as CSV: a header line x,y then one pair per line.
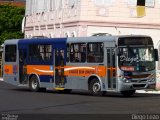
x,y
10,22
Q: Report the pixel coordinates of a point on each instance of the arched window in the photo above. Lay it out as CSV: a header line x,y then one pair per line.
x,y
30,36
50,35
26,36
52,5
73,34
72,3
67,34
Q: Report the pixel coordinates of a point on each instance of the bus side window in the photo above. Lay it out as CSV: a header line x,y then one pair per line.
x,y
10,53
40,53
95,52
68,51
78,52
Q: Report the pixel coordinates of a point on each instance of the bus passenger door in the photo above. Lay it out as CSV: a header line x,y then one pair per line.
x,y
111,68
10,64
59,61
22,67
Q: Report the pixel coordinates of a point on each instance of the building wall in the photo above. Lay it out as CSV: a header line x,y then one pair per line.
x,y
60,18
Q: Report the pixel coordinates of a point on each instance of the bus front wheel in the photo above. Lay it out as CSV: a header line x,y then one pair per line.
x,y
128,93
34,84
95,88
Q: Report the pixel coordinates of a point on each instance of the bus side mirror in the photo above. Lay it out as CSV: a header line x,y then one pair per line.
x,y
156,54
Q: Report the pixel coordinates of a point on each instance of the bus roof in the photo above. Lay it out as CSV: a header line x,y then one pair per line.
x,y
35,40
100,38
42,40
69,40
11,41
56,41
92,39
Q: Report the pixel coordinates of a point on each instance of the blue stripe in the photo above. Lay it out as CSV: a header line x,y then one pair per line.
x,y
46,78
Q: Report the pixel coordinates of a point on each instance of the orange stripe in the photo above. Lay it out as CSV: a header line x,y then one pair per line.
x,y
40,69
69,70
85,70
8,69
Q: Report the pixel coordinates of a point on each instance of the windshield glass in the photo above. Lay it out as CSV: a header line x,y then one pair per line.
x,y
136,58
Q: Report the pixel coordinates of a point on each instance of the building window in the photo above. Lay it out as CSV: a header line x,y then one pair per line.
x,y
132,3
147,3
66,35
29,36
58,4
140,7
95,52
52,5
140,2
72,3
50,35
26,36
104,2
73,34
10,53
150,3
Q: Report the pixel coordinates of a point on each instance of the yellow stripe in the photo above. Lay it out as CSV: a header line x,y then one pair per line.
x,y
59,88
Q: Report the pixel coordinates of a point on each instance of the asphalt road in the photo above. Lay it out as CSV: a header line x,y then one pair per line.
x,y
18,100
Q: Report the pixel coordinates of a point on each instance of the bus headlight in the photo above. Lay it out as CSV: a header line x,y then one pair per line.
x,y
152,79
123,79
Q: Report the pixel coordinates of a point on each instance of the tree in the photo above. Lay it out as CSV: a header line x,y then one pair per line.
x,y
10,22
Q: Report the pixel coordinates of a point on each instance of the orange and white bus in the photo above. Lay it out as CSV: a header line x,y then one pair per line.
x,y
98,64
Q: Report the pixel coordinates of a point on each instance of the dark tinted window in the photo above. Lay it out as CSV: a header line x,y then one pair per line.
x,y
68,52
78,52
40,53
140,2
10,53
95,52
124,41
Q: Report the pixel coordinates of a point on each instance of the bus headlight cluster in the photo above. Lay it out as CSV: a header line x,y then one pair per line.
x,y
123,79
152,79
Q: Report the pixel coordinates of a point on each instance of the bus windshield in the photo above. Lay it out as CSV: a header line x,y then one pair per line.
x,y
136,58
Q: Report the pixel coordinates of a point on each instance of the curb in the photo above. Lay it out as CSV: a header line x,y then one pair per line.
x,y
150,92
1,79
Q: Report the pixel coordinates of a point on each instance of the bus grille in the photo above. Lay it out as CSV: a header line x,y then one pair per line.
x,y
139,85
139,81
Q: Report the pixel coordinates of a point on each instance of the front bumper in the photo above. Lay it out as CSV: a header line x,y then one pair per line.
x,y
136,86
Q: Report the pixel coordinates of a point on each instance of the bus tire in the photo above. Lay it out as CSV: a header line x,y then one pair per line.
x,y
34,84
128,93
95,88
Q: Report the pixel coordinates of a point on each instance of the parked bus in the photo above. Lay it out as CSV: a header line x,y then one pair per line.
x,y
98,64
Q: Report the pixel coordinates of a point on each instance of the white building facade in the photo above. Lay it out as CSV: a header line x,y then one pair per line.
x,y
75,18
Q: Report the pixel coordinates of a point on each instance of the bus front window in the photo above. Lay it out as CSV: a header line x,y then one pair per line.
x,y
136,58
